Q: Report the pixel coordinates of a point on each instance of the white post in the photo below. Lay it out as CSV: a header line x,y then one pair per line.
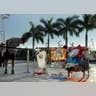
x,y
3,29
27,60
33,65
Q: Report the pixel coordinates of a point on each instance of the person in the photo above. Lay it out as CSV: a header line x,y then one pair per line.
x,y
10,53
1,54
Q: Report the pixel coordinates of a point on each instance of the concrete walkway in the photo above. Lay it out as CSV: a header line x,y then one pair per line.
x,y
21,74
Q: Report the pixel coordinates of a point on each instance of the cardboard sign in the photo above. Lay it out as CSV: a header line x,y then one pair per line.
x,y
41,59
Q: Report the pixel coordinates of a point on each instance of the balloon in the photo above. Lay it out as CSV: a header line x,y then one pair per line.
x,y
73,53
77,51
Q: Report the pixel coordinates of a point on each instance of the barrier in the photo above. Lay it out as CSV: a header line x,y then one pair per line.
x,y
27,60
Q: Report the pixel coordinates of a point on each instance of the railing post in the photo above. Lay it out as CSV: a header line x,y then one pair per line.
x,y
27,60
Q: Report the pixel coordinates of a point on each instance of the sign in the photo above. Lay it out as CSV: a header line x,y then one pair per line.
x,y
58,54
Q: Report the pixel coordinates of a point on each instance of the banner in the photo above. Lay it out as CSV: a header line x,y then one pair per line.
x,y
58,54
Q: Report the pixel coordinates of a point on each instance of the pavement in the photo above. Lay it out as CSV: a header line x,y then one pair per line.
x,y
24,73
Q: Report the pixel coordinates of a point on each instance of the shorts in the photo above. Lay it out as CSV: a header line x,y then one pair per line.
x,y
9,55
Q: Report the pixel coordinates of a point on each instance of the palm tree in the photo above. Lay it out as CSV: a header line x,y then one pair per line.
x,y
50,29
68,25
36,34
87,22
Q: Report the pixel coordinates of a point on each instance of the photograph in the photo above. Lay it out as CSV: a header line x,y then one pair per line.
x,y
48,47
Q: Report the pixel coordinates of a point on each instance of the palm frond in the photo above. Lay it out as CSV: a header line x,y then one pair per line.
x,y
45,23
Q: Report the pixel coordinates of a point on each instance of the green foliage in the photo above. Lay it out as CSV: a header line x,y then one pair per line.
x,y
73,25
68,25
87,23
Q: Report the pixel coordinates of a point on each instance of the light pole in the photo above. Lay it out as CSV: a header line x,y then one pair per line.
x,y
3,17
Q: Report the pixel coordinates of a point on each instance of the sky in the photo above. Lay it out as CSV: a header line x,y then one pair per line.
x,y
18,24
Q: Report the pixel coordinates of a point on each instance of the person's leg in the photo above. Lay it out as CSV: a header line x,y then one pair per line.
x,y
13,58
6,55
12,71
68,70
3,61
6,64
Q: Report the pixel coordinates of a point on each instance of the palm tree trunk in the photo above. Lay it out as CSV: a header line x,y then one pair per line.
x,y
49,61
66,39
86,39
33,51
33,43
48,42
